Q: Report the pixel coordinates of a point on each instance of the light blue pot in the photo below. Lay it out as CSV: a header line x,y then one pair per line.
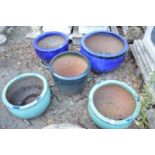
x,y
33,109
104,122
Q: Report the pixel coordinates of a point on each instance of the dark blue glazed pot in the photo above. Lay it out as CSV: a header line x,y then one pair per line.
x,y
104,62
70,85
47,54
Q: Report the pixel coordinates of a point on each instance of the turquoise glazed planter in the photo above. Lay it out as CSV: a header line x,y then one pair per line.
x,y
27,96
105,122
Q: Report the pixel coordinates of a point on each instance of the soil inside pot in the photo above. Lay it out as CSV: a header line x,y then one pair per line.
x,y
50,42
114,102
70,65
100,43
24,91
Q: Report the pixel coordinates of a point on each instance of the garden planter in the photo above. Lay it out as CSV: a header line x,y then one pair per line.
x,y
105,50
70,71
113,104
27,95
49,44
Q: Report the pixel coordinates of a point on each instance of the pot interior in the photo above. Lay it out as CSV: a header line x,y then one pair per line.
x,y
24,91
101,43
70,65
49,42
114,102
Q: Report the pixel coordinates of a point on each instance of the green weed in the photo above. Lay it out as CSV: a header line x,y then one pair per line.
x,y
147,101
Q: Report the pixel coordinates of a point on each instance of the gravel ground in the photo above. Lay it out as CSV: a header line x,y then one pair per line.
x,y
17,56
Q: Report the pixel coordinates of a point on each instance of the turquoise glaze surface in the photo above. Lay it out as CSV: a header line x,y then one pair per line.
x,y
104,122
33,109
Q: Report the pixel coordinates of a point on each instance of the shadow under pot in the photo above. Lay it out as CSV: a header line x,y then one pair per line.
x,y
113,104
105,50
49,44
70,71
27,96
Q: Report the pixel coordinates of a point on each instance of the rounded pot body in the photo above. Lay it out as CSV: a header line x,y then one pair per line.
x,y
106,62
33,109
105,122
70,85
47,54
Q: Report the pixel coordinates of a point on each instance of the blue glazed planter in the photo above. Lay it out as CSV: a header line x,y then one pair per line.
x,y
73,84
103,62
105,122
47,54
22,88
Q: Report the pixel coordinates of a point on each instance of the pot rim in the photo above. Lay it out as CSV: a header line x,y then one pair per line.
x,y
104,55
71,77
44,65
122,85
20,77
47,34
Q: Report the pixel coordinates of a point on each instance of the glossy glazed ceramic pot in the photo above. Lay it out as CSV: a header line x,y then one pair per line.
x,y
70,75
104,62
105,122
27,96
46,54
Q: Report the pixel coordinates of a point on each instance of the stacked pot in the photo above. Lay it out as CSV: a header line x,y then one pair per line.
x,y
100,52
